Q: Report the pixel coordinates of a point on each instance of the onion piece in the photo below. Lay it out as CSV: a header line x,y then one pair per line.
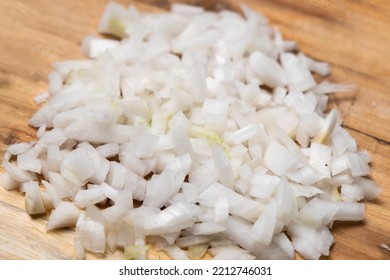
x,y
29,163
309,242
231,253
263,229
41,98
7,182
370,189
238,204
357,165
19,148
278,159
64,215
321,68
113,20
89,197
175,252
223,165
33,199
196,252
268,70
92,46
90,231
136,252
298,76
327,127
16,173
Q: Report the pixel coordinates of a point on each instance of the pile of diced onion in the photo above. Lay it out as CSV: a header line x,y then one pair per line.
x,y
195,132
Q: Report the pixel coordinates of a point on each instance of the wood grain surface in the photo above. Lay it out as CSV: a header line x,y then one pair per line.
x,y
353,36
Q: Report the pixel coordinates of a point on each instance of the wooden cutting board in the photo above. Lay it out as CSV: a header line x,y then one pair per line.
x,y
353,36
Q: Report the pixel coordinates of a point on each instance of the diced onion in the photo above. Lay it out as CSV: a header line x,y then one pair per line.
x,y
196,131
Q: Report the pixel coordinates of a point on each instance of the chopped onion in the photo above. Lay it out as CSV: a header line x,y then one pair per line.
x,y
92,46
64,215
8,182
263,228
29,163
298,76
20,148
196,252
41,98
33,199
269,71
194,131
90,232
231,253
370,189
278,159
